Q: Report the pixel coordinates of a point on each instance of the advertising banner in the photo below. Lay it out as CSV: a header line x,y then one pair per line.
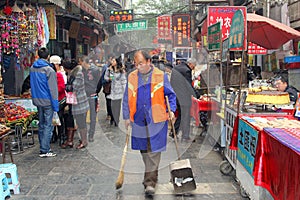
x,y
181,26
214,36
256,49
247,141
164,27
121,15
224,15
237,39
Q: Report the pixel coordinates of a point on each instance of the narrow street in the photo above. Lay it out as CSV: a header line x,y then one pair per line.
x,y
91,173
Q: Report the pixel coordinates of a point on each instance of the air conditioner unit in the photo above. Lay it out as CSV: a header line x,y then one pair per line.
x,y
63,35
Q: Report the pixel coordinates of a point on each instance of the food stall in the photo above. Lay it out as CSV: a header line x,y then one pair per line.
x,y
268,158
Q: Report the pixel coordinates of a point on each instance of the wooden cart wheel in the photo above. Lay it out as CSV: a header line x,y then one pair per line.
x,y
225,167
243,192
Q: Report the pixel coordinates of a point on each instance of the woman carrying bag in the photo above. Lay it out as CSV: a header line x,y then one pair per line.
x,y
70,127
117,76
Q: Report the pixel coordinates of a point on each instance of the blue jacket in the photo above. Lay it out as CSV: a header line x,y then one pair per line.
x,y
43,83
156,132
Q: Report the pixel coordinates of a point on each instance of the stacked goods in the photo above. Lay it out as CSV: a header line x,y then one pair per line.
x,y
268,97
272,122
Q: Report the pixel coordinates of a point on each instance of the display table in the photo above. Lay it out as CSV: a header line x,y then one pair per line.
x,y
201,105
269,158
277,162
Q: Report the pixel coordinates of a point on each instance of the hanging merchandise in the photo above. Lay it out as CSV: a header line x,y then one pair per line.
x,y
18,33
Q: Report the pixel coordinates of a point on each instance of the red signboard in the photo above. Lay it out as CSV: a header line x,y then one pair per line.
x,y
164,27
224,15
181,26
121,15
255,49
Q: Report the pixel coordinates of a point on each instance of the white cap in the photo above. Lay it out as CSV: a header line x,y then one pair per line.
x,y
55,59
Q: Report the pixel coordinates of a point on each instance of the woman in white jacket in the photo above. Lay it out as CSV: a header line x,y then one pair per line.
x,y
117,75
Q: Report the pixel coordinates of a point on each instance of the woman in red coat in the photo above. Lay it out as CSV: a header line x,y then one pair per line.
x,y
59,134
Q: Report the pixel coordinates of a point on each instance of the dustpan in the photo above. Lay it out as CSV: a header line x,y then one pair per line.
x,y
181,171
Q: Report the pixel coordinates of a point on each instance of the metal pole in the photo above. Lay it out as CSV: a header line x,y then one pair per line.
x,y
192,9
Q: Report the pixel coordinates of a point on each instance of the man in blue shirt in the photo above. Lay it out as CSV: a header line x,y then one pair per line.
x,y
44,93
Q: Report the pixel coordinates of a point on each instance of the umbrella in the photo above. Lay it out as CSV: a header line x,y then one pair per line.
x,y
269,33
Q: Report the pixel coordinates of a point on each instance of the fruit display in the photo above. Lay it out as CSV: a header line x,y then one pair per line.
x,y
16,114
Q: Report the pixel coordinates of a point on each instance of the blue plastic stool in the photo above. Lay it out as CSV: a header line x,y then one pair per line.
x,y
4,188
10,170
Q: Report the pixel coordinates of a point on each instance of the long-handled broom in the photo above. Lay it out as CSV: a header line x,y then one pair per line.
x,y
120,179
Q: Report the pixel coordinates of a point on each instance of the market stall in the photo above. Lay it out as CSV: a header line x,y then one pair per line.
x,y
268,159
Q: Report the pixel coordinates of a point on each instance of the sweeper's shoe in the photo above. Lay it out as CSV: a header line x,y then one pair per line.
x,y
149,191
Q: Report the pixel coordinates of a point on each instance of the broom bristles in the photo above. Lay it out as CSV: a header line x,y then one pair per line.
x,y
120,180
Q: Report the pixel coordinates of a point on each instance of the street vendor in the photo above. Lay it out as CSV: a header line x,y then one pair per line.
x,y
282,84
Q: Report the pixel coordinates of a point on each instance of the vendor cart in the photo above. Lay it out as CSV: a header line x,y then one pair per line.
x,y
229,164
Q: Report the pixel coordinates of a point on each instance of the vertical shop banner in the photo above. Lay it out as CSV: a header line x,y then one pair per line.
x,y
164,27
237,36
214,36
224,15
247,141
51,16
181,26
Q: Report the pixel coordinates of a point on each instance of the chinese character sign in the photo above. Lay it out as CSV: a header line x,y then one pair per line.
x,y
214,36
247,141
224,15
256,49
181,26
237,31
121,15
164,27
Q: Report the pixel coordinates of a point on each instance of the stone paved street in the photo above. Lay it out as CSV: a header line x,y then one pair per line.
x,y
90,174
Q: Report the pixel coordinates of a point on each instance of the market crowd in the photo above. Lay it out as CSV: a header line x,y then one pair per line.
x,y
150,91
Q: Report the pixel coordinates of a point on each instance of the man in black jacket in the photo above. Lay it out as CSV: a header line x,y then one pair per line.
x,y
181,81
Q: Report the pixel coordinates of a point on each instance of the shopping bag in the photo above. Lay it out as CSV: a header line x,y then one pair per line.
x,y
55,119
71,98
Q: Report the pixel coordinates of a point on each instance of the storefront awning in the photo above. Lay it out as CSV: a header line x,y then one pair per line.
x,y
115,3
60,3
88,9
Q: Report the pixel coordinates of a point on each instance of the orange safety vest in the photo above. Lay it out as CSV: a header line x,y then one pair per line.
x,y
158,105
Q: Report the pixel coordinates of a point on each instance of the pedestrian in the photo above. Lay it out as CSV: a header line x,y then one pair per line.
x,y
116,74
80,109
145,110
157,63
181,81
70,126
91,75
44,93
59,133
106,85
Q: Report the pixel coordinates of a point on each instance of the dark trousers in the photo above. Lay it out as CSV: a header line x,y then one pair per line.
x,y
93,116
183,120
116,109
151,161
108,105
59,131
